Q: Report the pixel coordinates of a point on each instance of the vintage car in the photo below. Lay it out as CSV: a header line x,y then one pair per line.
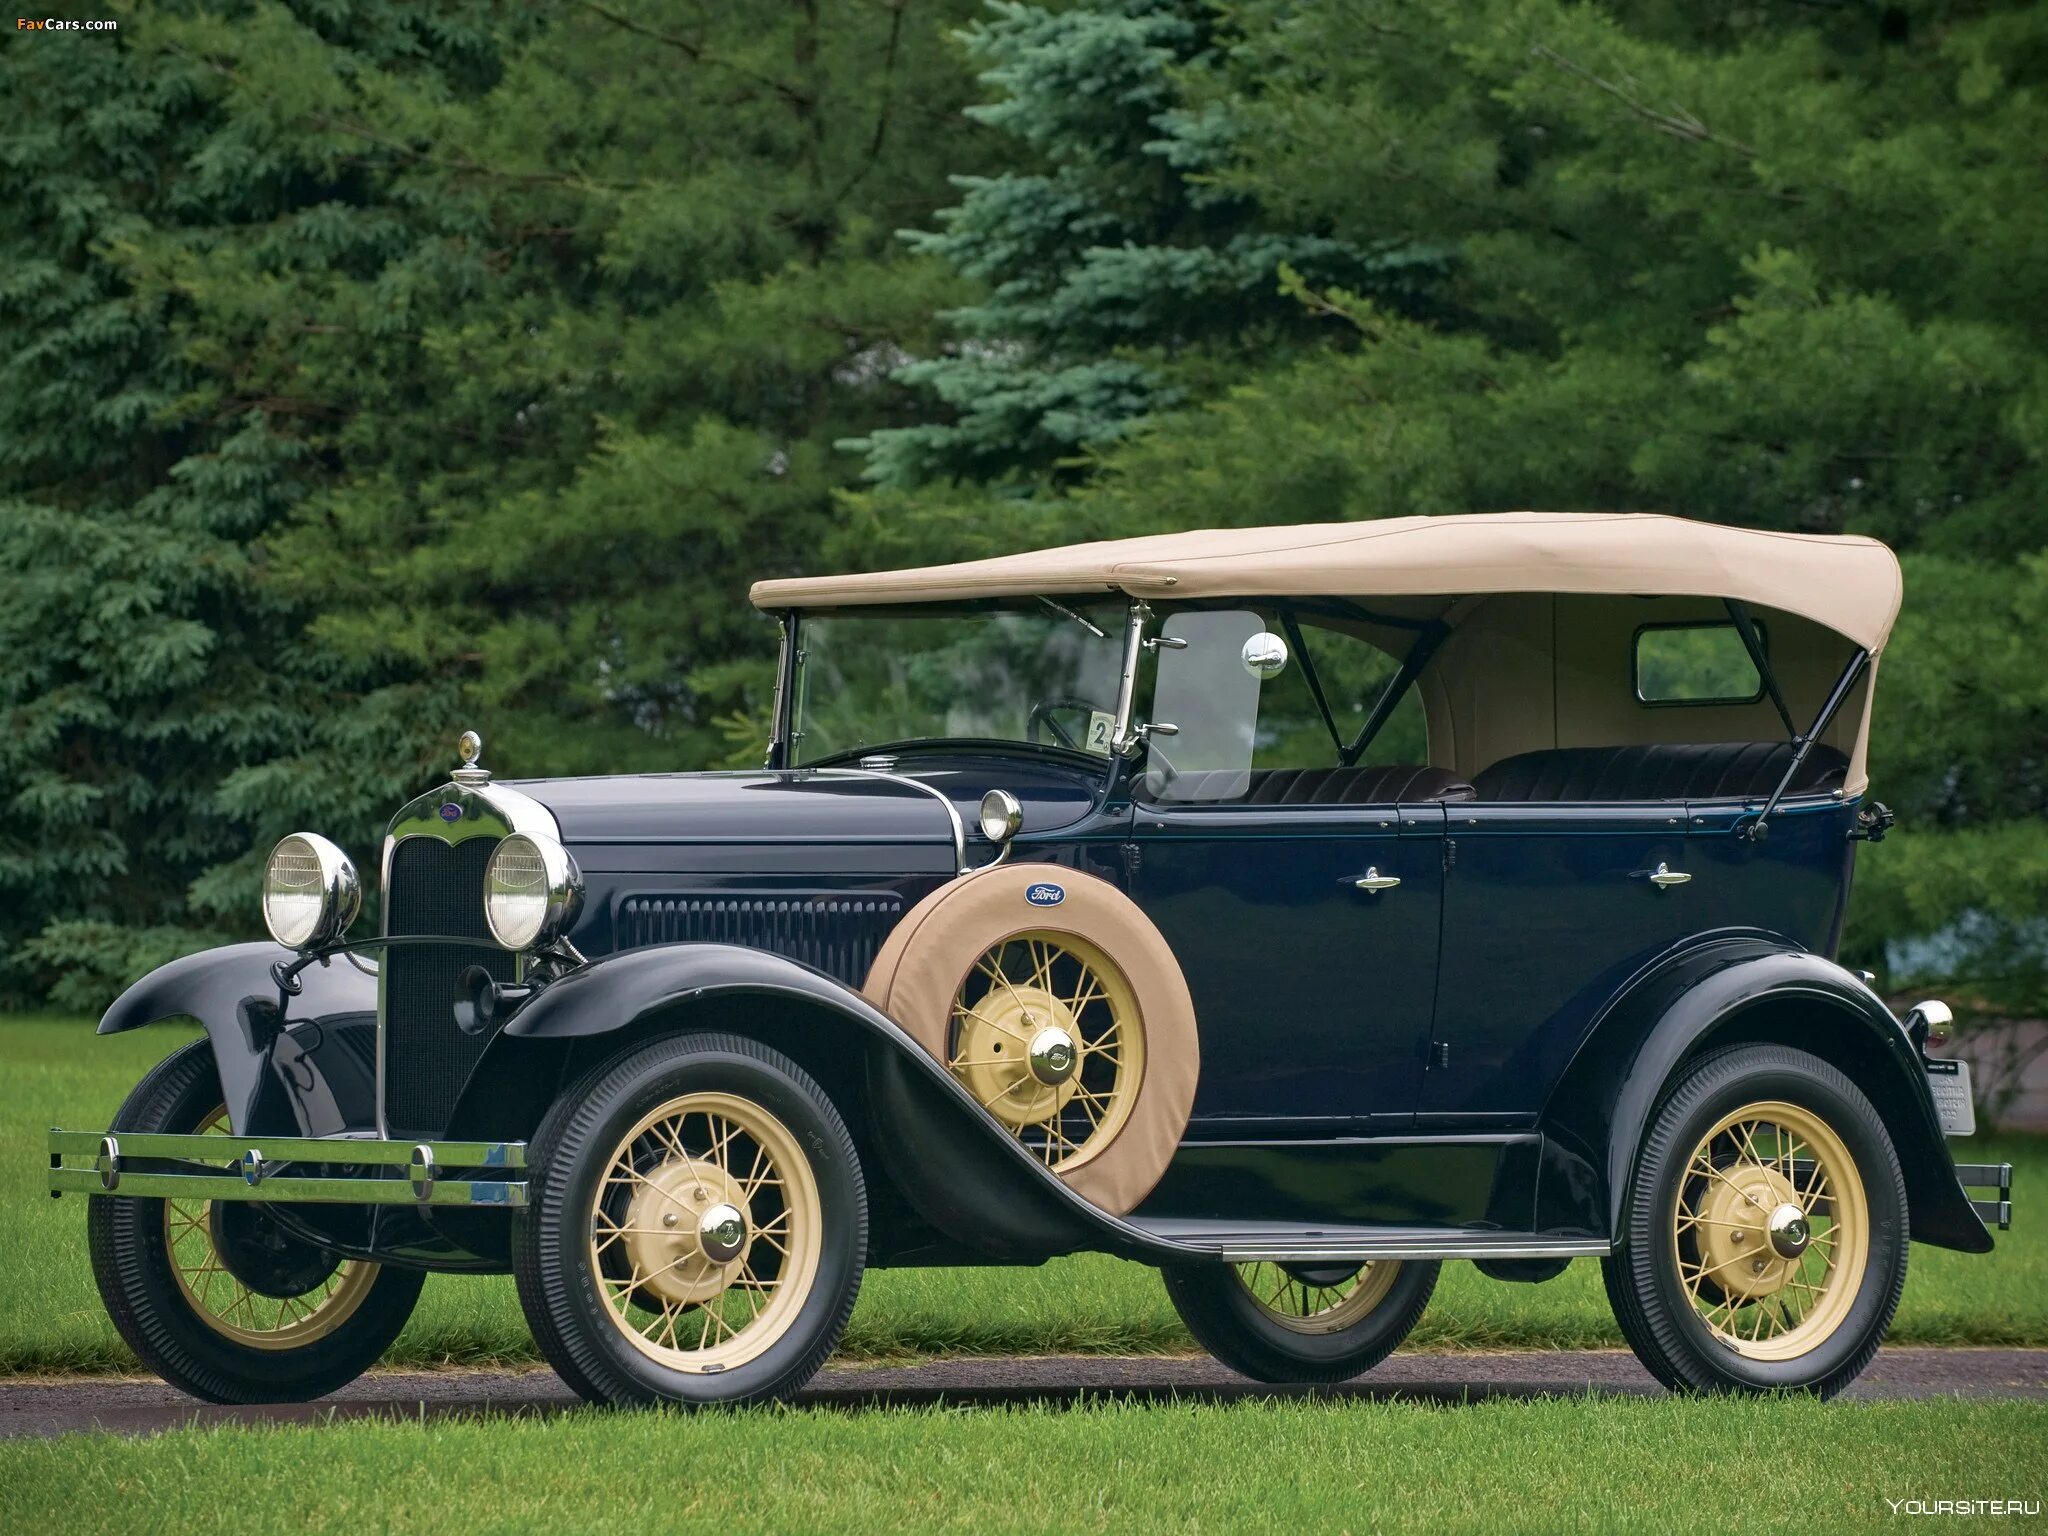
x,y
1292,909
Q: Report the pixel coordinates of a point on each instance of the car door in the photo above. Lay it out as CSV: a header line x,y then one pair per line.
x,y
1548,907
1308,936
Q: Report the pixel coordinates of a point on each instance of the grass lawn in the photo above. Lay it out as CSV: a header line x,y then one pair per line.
x,y
56,1072
1301,1466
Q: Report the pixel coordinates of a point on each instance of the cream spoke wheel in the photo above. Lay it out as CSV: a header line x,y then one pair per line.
x,y
1771,1230
1317,1299
706,1232
1046,1035
236,1310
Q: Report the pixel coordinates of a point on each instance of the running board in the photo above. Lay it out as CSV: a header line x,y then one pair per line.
x,y
1282,1243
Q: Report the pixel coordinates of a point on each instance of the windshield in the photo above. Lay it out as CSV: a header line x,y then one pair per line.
x,y
1033,674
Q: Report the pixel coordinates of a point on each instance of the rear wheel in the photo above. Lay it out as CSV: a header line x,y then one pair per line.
x,y
215,1296
1764,1242
697,1226
1301,1322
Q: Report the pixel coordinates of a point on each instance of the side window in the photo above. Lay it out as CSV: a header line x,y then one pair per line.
x,y
1228,722
1696,664
1354,674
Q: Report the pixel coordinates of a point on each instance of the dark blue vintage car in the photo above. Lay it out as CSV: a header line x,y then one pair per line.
x,y
1293,909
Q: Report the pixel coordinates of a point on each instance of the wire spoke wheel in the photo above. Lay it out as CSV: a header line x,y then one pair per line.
x,y
1046,1035
706,1232
236,1310
1771,1230
1317,1298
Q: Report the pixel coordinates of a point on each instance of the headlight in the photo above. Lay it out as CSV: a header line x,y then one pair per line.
x,y
310,892
532,891
1001,816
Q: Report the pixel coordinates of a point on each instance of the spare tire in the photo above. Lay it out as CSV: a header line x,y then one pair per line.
x,y
1057,1004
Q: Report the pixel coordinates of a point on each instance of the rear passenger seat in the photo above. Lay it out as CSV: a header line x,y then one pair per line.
x,y
1731,770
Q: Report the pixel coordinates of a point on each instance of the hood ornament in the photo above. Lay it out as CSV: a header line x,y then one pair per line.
x,y
471,746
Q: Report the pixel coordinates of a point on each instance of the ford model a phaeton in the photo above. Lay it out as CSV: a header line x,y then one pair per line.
x,y
1293,909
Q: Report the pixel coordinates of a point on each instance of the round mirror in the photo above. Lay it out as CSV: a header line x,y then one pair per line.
x,y
1264,654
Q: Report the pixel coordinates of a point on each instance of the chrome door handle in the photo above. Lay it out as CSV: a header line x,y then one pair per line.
x,y
1374,882
1664,876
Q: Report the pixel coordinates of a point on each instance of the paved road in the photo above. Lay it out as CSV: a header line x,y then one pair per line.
x,y
128,1407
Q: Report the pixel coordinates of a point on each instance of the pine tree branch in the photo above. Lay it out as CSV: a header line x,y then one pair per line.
x,y
874,154
1677,122
697,53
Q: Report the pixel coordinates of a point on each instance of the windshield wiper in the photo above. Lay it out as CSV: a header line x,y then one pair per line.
x,y
1100,634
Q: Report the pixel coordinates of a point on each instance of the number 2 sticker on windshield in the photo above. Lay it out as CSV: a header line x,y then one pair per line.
x,y
1100,724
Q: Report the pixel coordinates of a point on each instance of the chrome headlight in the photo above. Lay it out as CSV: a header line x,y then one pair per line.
x,y
310,892
532,891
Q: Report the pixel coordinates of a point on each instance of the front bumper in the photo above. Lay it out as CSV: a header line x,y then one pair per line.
x,y
289,1169
1998,1176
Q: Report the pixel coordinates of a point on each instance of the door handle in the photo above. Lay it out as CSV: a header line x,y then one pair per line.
x,y
1373,882
1664,876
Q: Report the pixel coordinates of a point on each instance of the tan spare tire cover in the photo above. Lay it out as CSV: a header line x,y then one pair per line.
x,y
928,956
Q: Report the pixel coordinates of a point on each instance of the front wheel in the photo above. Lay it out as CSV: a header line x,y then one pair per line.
x,y
1764,1240
215,1296
696,1226
1301,1322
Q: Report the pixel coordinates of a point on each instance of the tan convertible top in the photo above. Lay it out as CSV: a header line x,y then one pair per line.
x,y
1849,585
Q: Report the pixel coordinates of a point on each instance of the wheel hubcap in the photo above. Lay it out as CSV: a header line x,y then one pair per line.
x,y
1053,1057
1790,1231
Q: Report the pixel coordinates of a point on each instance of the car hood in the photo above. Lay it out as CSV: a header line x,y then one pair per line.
x,y
741,807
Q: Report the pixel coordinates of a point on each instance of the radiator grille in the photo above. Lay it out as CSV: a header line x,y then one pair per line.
x,y
838,934
437,888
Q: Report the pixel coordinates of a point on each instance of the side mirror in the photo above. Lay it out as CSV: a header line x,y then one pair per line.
x,y
1264,654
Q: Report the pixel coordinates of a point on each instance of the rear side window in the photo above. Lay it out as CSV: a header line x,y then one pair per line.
x,y
1696,664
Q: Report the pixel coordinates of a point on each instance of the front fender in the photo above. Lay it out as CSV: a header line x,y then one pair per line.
x,y
1753,988
323,1088
969,1176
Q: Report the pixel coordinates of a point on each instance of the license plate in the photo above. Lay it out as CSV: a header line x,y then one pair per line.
x,y
1950,1081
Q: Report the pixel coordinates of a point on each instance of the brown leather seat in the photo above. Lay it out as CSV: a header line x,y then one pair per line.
x,y
1392,784
1726,770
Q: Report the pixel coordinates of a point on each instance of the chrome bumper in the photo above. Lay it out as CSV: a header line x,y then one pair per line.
x,y
284,1169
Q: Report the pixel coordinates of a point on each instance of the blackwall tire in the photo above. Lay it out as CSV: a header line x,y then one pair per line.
x,y
201,1329
959,973
1718,1285
696,1229
1303,1332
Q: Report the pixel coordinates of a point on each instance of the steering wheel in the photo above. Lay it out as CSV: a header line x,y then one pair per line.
x,y
1041,716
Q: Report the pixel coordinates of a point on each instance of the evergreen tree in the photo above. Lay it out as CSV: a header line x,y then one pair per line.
x,y
1119,276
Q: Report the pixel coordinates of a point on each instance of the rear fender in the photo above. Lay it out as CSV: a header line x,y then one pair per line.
x,y
289,1064
1744,989
958,1168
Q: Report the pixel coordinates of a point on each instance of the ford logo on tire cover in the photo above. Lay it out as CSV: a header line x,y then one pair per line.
x,y
1045,894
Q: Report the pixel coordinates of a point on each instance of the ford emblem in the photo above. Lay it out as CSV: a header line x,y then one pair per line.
x,y
451,812
1044,894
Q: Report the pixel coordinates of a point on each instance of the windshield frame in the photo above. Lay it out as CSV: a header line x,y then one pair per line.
x,y
789,683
